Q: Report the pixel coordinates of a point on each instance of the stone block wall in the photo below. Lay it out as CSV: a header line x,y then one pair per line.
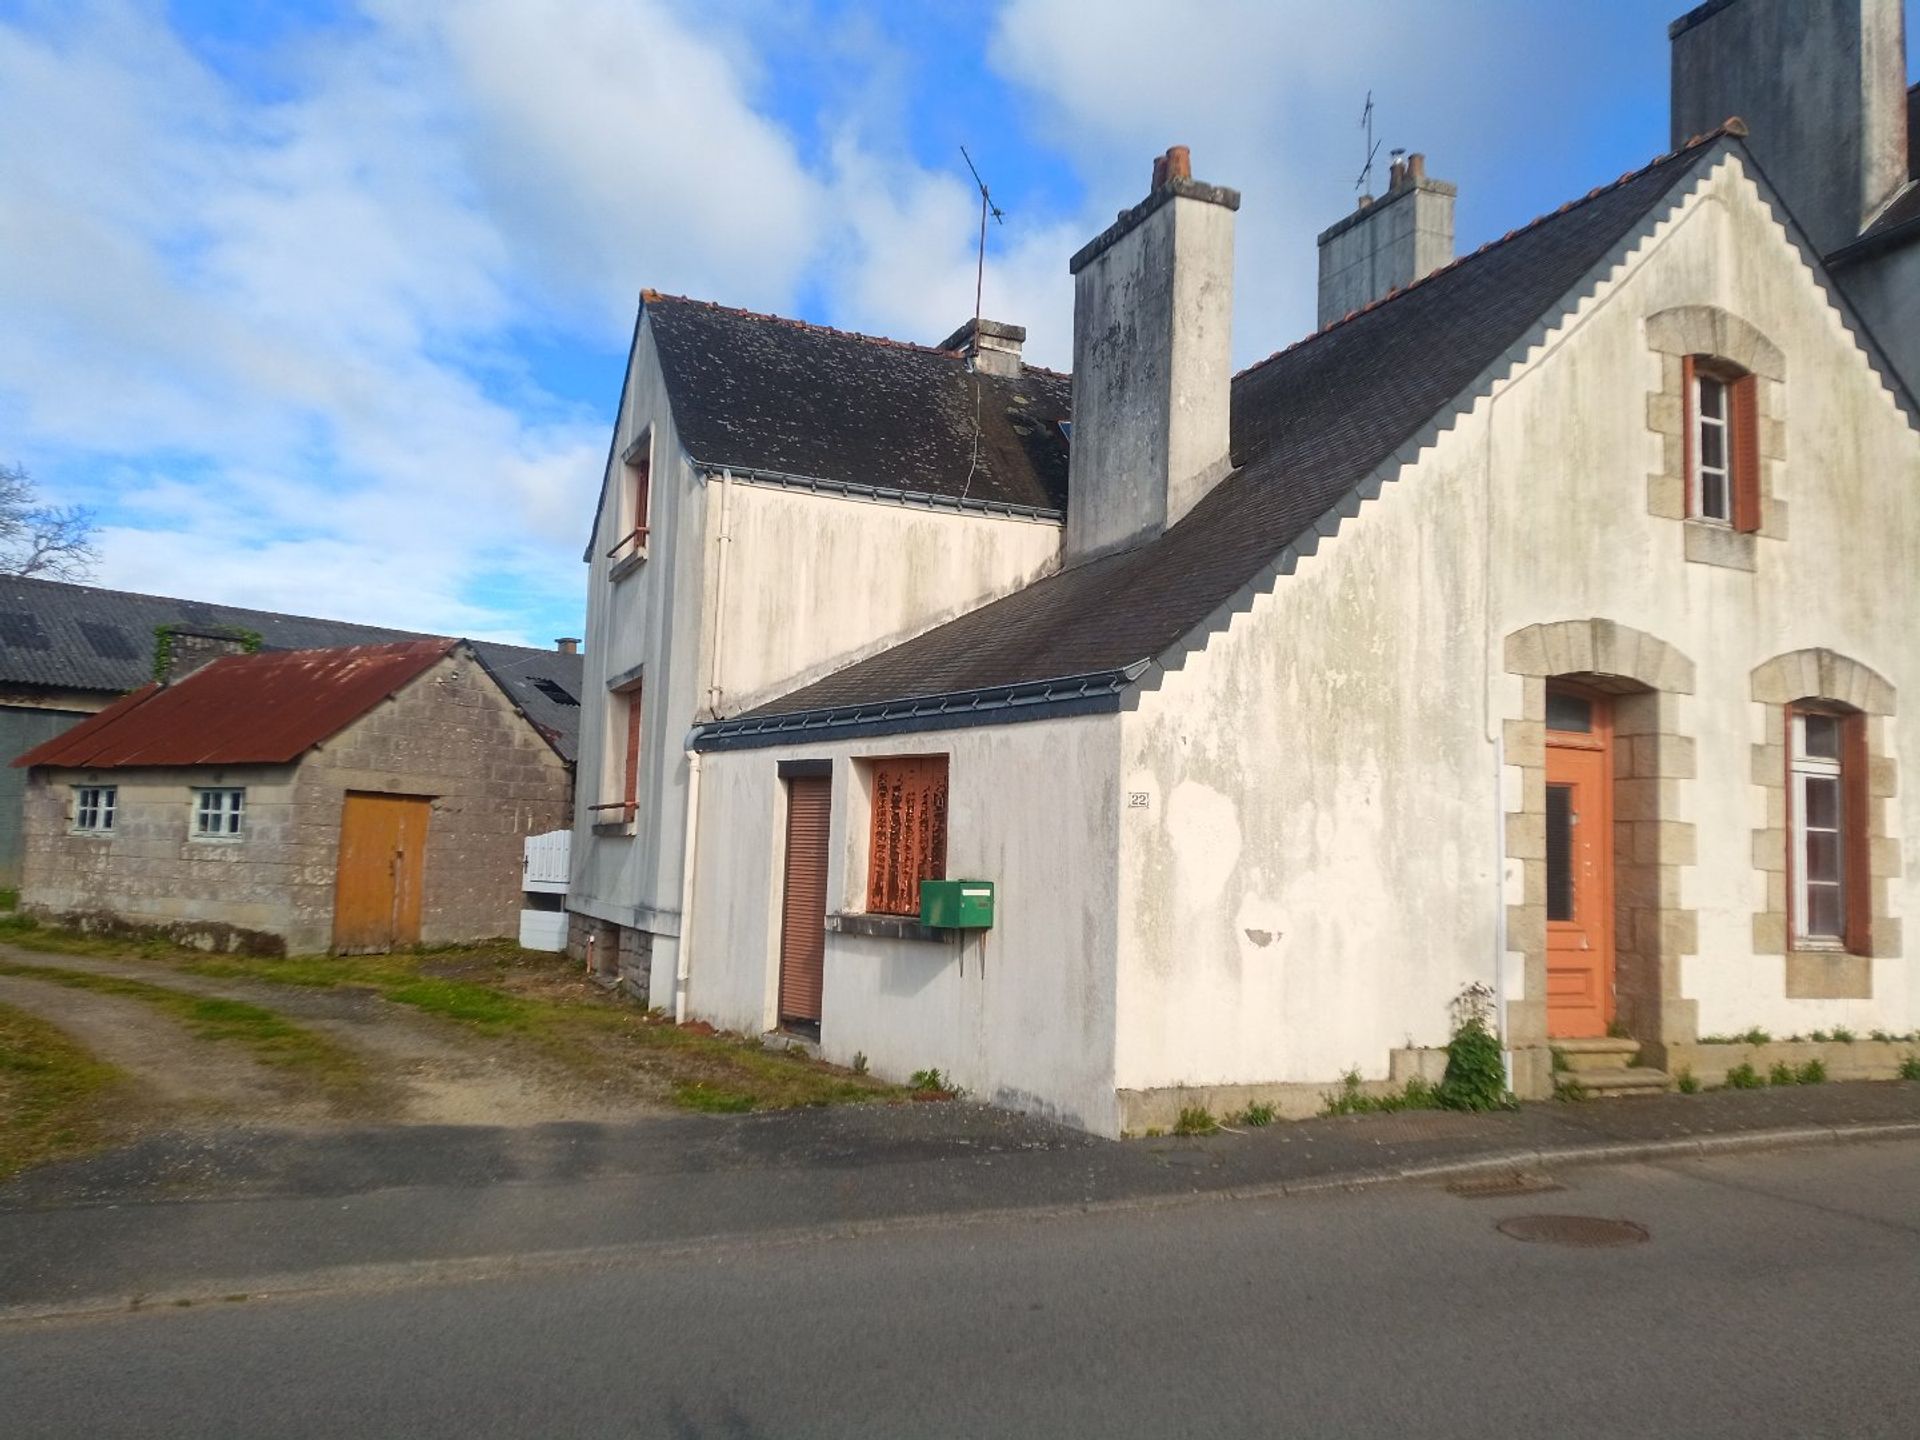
x,y
619,954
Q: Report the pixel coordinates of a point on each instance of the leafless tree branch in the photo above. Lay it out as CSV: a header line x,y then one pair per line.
x,y
55,542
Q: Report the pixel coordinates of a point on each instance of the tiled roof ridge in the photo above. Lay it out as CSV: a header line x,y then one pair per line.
x,y
650,296
1732,126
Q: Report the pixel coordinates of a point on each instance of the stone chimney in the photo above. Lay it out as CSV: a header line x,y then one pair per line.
x,y
181,651
568,644
1386,244
1152,362
1823,90
996,351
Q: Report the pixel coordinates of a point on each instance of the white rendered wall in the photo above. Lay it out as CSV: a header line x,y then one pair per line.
x,y
1316,872
1023,1016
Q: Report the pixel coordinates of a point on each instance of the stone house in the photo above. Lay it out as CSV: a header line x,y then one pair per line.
x,y
69,651
1539,625
357,798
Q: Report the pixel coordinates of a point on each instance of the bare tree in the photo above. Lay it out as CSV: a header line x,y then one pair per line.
x,y
52,541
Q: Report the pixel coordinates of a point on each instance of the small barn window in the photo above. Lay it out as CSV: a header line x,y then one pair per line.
x,y
217,814
909,832
93,808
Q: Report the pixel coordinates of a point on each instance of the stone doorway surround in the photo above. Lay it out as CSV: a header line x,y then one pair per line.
x,y
1653,760
1823,675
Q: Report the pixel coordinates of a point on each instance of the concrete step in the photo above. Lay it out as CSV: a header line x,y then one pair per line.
x,y
1635,1080
1603,1052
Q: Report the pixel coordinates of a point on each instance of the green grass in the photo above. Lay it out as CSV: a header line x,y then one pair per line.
x,y
1195,1120
52,1092
500,990
271,1039
1350,1099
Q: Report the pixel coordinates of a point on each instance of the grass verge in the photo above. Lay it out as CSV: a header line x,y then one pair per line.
x,y
51,1092
499,989
271,1039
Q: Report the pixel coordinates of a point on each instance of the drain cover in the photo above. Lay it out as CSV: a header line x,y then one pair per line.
x,y
1586,1231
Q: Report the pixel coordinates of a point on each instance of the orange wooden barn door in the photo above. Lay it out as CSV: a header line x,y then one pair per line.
x,y
1580,948
383,852
803,906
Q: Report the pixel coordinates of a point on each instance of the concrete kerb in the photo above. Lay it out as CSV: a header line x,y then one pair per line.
x,y
392,1276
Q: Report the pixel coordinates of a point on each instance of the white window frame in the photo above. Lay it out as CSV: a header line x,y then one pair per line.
x,y
1805,769
1702,423
95,816
219,812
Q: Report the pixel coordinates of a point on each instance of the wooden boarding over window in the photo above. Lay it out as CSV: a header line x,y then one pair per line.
x,y
909,832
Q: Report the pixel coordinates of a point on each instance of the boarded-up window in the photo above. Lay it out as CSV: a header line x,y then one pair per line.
x,y
909,832
630,792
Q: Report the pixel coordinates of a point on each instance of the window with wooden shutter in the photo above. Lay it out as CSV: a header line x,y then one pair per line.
x,y
909,832
1720,443
1829,862
620,779
635,504
630,793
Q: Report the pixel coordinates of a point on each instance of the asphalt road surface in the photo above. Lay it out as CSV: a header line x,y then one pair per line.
x,y
1774,1295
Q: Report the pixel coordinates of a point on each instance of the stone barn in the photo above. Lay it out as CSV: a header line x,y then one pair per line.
x,y
354,799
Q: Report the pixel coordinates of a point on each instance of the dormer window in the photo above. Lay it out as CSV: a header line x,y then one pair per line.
x,y
1723,440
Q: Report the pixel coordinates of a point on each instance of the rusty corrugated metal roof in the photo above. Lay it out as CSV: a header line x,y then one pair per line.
x,y
264,709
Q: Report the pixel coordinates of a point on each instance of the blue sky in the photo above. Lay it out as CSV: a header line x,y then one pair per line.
x,y
323,306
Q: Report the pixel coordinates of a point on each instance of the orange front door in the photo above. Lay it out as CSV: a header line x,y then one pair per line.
x,y
1579,868
383,851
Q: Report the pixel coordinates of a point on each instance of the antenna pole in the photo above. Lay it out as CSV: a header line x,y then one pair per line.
x,y
1373,146
987,207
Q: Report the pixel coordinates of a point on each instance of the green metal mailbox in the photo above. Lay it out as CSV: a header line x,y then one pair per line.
x,y
956,904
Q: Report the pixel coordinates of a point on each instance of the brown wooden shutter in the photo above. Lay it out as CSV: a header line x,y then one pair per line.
x,y
1689,437
1857,871
642,483
909,841
1745,438
631,794
803,907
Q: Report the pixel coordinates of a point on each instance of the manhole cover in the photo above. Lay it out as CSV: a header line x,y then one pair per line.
x,y
1587,1231
1490,1187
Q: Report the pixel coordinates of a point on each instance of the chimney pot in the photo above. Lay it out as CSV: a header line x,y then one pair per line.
x,y
1416,170
568,644
1396,174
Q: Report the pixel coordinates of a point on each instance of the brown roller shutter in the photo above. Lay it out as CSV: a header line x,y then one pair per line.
x,y
803,909
1746,454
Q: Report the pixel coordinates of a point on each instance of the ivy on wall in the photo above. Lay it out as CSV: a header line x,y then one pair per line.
x,y
163,635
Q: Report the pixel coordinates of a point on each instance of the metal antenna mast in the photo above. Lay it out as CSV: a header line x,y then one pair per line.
x,y
987,207
1373,146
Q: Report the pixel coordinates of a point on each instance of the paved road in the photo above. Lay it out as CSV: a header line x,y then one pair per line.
x,y
1774,1297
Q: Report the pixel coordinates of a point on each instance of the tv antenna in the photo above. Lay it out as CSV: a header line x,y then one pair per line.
x,y
1373,146
987,207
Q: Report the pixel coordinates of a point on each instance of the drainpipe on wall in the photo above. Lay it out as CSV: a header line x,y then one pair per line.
x,y
1491,728
683,952
724,543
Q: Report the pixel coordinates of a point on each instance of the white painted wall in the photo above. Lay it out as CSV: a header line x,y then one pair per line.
x,y
1324,773
1024,1017
812,581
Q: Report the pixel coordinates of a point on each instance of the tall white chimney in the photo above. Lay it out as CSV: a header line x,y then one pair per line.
x,y
1152,362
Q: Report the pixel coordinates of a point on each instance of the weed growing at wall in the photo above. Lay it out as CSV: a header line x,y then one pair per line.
x,y
1686,1082
1744,1077
1476,1077
1195,1120
1910,1068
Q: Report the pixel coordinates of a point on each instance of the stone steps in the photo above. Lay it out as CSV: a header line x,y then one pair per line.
x,y
1603,1084
1599,1054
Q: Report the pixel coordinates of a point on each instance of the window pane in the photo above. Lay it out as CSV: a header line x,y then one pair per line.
x,y
1559,852
1821,737
1823,857
1823,911
1713,398
1713,447
1822,794
1713,496
1572,713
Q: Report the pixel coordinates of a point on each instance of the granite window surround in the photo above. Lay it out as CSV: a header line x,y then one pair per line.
x,y
1826,678
1732,345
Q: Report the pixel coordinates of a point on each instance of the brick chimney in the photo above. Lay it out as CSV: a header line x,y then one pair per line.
x,y
568,644
995,352
1823,90
1386,244
1152,362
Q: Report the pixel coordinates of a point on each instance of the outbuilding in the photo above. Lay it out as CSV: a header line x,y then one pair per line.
x,y
354,799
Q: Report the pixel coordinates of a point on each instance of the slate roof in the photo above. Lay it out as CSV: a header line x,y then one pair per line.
x,y
78,637
262,709
760,393
1310,425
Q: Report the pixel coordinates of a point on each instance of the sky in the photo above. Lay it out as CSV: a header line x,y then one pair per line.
x,y
324,306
